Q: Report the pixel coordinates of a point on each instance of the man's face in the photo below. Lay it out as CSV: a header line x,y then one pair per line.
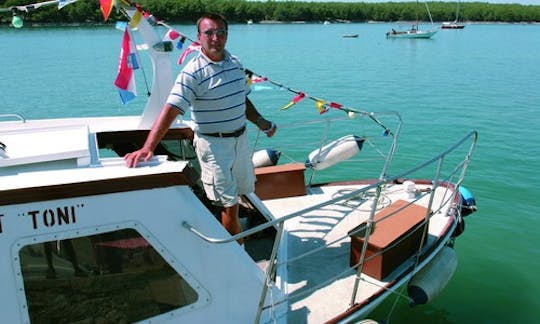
x,y
212,37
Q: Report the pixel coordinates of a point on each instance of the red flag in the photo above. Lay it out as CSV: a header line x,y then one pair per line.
x,y
106,7
195,46
125,80
295,100
171,35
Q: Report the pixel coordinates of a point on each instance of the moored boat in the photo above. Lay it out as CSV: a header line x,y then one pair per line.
x,y
452,25
410,33
414,31
88,239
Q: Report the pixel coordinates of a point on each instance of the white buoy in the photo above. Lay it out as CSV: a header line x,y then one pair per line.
x,y
425,285
266,157
334,152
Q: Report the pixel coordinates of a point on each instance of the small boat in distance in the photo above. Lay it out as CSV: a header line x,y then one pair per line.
x,y
410,33
414,32
350,36
453,24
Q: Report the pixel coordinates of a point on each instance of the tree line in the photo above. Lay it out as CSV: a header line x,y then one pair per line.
x,y
240,11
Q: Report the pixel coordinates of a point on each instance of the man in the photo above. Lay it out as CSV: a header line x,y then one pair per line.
x,y
214,87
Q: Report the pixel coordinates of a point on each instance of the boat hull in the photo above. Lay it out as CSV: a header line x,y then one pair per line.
x,y
411,34
452,26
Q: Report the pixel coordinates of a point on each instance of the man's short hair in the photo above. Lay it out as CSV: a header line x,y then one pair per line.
x,y
212,16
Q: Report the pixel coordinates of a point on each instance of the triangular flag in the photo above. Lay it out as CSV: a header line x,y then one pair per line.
x,y
106,7
180,42
121,25
171,35
125,80
63,3
296,99
136,19
321,106
195,46
335,105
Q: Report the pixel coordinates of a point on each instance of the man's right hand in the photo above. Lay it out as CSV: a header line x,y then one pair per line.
x,y
133,158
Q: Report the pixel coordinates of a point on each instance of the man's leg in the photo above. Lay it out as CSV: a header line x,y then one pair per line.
x,y
229,220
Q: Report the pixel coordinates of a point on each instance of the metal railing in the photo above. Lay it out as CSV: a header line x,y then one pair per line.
x,y
13,116
455,177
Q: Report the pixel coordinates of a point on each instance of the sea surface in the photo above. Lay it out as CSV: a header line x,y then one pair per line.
x,y
485,77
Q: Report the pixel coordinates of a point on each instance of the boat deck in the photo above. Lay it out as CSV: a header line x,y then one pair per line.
x,y
325,275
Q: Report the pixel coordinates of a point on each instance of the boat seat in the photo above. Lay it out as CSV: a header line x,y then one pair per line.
x,y
399,230
280,181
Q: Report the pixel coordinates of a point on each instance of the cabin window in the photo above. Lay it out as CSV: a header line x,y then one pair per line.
x,y
114,277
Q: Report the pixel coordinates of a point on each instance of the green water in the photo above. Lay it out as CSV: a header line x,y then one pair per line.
x,y
484,77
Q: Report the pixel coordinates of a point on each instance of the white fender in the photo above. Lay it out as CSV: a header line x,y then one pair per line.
x,y
265,157
425,285
334,152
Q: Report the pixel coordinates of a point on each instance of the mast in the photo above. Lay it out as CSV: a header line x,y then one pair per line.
x,y
429,13
457,12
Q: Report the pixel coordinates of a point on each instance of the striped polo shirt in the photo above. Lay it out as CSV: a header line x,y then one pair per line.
x,y
214,92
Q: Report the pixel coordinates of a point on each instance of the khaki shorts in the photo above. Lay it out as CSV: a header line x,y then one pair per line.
x,y
226,167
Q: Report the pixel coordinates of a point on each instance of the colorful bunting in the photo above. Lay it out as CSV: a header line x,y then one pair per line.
x,y
171,35
195,46
335,105
106,7
121,25
252,79
125,80
322,107
295,100
63,3
180,42
136,19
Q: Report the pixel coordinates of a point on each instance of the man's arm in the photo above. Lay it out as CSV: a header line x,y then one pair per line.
x,y
159,129
256,118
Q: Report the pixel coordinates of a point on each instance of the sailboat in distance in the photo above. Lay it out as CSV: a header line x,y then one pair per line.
x,y
414,31
453,24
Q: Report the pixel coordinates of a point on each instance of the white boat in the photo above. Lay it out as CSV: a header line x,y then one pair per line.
x,y
414,31
453,24
410,33
86,239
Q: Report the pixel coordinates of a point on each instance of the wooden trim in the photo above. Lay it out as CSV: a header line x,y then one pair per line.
x,y
99,187
139,136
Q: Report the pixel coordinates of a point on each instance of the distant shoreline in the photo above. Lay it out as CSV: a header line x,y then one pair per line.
x,y
277,22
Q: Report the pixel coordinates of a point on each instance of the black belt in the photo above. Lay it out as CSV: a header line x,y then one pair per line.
x,y
236,133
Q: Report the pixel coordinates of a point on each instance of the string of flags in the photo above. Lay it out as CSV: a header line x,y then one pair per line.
x,y
173,35
129,61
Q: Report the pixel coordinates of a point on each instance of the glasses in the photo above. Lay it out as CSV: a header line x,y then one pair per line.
x,y
217,32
